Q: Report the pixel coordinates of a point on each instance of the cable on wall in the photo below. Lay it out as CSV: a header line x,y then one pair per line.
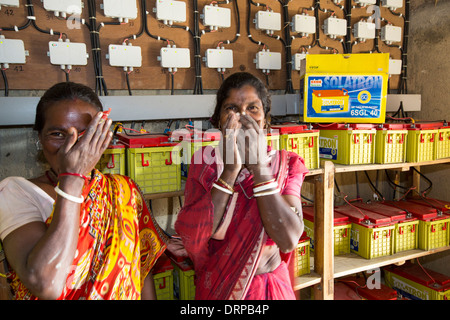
x,y
287,45
100,84
238,29
5,80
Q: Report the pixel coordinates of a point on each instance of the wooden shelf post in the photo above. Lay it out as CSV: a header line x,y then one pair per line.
x,y
323,232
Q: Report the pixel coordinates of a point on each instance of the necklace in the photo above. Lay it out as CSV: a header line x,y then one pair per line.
x,y
49,174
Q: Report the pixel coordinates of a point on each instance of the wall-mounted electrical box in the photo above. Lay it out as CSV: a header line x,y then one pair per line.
x,y
364,30
12,51
66,53
170,11
334,27
124,10
219,58
395,66
216,17
63,7
268,60
390,34
124,55
392,4
365,2
173,57
268,20
299,61
304,24
9,3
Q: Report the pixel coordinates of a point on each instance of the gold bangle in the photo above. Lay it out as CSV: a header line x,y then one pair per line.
x,y
226,185
263,183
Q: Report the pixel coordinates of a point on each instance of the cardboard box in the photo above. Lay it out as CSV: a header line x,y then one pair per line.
x,y
345,87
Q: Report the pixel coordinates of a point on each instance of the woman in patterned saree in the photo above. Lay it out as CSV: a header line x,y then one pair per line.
x,y
74,233
242,216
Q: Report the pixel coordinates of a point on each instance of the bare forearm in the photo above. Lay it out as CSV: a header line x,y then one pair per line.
x,y
281,222
50,260
220,199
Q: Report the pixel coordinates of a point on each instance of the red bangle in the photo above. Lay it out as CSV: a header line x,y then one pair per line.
x,y
74,174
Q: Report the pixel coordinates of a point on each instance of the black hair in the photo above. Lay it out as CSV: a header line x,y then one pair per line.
x,y
236,81
64,91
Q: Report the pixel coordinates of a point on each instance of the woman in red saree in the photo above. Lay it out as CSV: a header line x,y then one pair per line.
x,y
242,215
74,233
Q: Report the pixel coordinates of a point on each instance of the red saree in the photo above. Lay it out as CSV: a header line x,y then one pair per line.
x,y
118,243
225,268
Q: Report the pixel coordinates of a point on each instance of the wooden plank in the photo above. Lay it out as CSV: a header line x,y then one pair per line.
x,y
405,166
352,263
306,280
323,230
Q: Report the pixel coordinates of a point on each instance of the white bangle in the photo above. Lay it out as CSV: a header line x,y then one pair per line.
x,y
267,193
265,187
68,196
222,189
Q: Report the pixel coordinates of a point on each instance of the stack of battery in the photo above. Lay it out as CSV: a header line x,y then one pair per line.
x,y
372,233
406,226
341,230
433,222
417,283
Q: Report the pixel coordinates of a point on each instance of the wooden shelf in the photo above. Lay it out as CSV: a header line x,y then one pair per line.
x,y
404,166
352,263
307,280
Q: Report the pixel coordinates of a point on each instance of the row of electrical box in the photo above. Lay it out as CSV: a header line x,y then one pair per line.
x,y
67,54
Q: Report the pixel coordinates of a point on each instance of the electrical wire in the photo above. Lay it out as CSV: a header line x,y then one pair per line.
x,y
373,186
198,82
67,74
430,184
5,80
172,75
287,46
128,82
100,84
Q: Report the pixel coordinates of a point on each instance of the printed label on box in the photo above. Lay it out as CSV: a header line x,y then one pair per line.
x,y
344,97
354,242
328,148
409,291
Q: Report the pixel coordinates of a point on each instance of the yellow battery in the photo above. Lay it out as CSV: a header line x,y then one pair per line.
x,y
417,283
112,160
341,230
324,101
390,143
273,140
300,140
352,143
303,264
434,233
421,142
183,280
443,142
371,234
191,141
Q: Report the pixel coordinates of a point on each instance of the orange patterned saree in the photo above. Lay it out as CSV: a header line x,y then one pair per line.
x,y
118,244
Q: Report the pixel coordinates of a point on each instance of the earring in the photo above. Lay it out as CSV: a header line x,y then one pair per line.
x,y
38,145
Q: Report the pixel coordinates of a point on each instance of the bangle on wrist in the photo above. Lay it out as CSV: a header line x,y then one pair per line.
x,y
265,187
263,183
267,193
68,196
73,175
226,185
215,185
